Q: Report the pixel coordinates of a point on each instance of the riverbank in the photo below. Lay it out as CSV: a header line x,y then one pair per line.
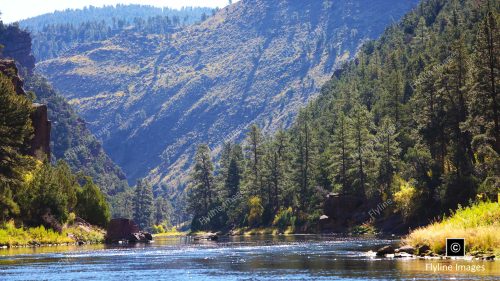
x,y
78,233
479,225
171,233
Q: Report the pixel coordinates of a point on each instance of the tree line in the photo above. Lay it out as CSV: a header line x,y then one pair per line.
x,y
34,192
53,34
412,119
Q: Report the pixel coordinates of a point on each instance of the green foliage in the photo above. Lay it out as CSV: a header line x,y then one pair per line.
x,y
413,118
50,196
157,229
10,235
92,205
73,142
143,205
478,224
201,192
284,219
15,131
406,196
54,33
256,210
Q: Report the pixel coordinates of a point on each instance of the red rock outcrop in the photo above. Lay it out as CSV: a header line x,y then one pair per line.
x,y
40,143
125,230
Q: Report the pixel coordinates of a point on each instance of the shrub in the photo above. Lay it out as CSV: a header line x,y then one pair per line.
x,y
284,219
158,229
478,224
92,205
406,198
255,211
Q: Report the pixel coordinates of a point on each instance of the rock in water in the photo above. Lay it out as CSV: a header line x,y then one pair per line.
x,y
120,230
386,250
406,249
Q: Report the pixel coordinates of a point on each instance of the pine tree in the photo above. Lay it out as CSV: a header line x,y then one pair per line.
x,y
340,150
304,159
202,187
232,186
483,101
363,147
253,156
15,130
163,211
387,154
275,160
92,205
143,205
234,172
482,104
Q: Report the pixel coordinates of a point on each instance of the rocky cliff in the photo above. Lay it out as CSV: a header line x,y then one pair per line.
x,y
256,61
66,137
17,46
40,143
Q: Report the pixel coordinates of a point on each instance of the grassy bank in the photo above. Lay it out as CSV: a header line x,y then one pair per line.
x,y
12,236
478,224
174,232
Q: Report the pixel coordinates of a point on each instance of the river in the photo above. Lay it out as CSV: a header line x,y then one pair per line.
x,y
297,257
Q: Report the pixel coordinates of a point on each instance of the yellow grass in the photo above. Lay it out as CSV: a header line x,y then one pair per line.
x,y
478,224
261,231
171,233
12,236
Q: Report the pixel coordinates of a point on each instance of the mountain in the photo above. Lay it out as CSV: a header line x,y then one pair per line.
x,y
256,61
56,32
113,14
70,139
406,132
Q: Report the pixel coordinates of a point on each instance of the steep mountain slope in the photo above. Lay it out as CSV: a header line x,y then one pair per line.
x,y
54,33
70,139
255,61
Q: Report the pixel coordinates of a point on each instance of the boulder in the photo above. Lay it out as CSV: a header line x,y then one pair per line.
x,y
406,249
341,211
120,230
208,236
386,250
423,249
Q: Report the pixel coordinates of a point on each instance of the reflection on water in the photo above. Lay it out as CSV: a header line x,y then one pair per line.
x,y
298,257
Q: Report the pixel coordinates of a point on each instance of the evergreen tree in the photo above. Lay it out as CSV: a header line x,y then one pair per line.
x,y
49,196
387,153
253,156
143,205
15,131
202,188
363,148
304,159
341,148
275,170
163,211
234,172
92,205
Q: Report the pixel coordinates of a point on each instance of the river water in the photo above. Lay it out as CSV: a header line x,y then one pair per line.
x,y
298,257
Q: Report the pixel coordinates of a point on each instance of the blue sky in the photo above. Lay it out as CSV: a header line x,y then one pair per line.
x,y
14,10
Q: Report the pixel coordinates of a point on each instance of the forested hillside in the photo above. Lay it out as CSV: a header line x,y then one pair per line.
x,y
70,139
255,61
72,142
33,192
412,121
56,32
